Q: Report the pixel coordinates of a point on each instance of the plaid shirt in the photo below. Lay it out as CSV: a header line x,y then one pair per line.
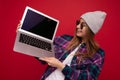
x,y
87,69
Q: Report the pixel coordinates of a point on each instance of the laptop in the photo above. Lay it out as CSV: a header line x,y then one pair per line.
x,y
36,34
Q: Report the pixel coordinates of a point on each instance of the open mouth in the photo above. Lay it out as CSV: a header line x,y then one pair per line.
x,y
79,30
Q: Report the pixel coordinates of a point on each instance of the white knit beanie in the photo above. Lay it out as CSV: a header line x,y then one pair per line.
x,y
94,20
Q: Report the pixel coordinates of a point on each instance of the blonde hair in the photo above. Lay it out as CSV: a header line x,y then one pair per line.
x,y
91,45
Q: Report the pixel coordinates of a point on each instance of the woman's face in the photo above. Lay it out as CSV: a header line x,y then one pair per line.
x,y
82,28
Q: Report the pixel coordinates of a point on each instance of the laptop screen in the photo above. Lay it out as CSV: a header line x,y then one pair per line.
x,y
39,24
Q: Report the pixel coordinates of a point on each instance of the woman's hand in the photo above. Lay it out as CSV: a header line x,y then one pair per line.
x,y
18,26
53,62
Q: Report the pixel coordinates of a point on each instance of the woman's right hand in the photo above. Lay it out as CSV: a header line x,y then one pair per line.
x,y
18,26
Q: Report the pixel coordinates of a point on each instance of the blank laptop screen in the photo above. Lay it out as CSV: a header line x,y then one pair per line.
x,y
39,24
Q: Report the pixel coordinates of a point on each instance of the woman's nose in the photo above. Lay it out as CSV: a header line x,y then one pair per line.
x,y
78,26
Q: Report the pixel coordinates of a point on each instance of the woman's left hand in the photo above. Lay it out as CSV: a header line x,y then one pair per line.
x,y
52,61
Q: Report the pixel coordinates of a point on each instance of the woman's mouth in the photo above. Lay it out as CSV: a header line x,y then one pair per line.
x,y
79,30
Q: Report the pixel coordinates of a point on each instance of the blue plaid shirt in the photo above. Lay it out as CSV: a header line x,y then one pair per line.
x,y
87,69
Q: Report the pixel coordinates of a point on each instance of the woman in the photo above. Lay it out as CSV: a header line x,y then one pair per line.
x,y
78,57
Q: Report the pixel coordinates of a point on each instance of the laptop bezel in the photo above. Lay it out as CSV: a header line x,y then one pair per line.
x,y
36,11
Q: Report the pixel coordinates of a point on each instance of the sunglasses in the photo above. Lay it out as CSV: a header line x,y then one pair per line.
x,y
83,24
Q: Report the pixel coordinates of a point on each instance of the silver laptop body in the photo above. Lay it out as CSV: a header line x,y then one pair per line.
x,y
36,34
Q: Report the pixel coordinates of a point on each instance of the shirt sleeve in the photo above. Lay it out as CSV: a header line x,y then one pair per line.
x,y
85,72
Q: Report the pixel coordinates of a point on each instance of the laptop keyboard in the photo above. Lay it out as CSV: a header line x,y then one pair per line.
x,y
35,42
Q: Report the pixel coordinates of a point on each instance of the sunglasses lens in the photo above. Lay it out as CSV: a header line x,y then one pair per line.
x,y
77,22
81,26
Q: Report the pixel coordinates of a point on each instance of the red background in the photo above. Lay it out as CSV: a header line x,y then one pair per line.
x,y
16,66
